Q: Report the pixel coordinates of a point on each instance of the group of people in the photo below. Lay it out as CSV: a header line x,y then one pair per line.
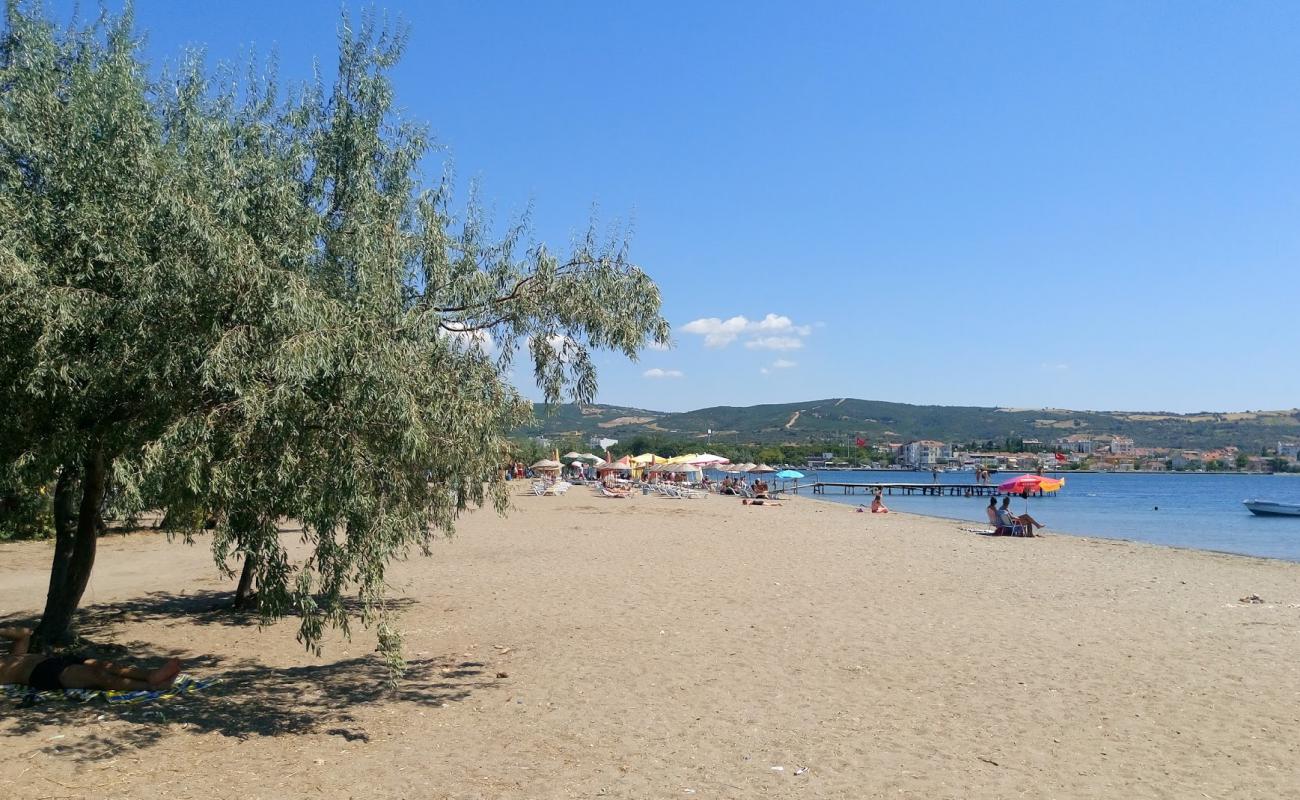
x,y
737,485
1006,523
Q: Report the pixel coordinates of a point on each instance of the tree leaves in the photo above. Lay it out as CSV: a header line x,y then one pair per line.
x,y
252,306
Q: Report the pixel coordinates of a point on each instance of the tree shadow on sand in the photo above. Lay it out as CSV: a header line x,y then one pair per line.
x,y
251,700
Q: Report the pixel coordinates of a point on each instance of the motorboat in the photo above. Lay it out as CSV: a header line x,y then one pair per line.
x,y
1268,508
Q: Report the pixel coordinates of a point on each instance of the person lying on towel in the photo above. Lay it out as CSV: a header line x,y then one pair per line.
x,y
54,673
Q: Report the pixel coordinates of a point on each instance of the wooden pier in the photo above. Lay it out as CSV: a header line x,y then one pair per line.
x,y
936,489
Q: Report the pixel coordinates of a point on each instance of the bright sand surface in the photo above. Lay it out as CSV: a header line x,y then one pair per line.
x,y
656,648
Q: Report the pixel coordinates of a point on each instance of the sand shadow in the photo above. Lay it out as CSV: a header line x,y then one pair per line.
x,y
202,607
252,700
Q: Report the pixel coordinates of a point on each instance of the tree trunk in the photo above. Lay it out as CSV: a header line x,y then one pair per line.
x,y
244,594
74,550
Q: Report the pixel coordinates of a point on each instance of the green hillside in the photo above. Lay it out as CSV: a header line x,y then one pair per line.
x,y
822,420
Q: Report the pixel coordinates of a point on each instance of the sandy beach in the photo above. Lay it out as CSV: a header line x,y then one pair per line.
x,y
656,648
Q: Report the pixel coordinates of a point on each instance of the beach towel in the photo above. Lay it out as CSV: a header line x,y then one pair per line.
x,y
27,696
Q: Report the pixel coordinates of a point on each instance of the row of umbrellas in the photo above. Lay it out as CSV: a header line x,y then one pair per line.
x,y
691,462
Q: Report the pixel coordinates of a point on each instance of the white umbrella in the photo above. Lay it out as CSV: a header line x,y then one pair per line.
x,y
574,454
708,459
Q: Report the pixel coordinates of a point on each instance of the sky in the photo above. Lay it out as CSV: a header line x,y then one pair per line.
x,y
1085,205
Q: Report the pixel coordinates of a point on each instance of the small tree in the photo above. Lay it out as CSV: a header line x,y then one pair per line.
x,y
249,305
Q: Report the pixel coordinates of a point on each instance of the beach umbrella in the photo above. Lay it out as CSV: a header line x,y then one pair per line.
x,y
708,460
1030,483
789,474
615,466
1024,484
761,468
546,465
574,454
576,463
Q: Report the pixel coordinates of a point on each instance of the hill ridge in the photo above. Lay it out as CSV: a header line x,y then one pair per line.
x,y
845,417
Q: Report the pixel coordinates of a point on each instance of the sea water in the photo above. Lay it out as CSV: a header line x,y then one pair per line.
x,y
1198,510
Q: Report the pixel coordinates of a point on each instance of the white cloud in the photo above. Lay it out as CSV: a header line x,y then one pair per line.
x,y
774,331
660,347
717,332
774,343
782,363
657,373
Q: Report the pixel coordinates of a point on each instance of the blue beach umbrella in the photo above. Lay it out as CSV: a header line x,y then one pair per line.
x,y
789,474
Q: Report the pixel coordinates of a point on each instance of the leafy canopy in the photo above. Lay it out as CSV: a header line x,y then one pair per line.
x,y
250,301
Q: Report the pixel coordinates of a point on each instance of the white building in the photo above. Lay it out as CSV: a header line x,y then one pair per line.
x,y
1288,449
1078,443
925,453
1121,446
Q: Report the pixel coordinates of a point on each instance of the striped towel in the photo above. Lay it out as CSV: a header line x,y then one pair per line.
x,y
27,696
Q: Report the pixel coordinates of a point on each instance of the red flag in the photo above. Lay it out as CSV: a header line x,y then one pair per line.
x,y
1060,456
860,442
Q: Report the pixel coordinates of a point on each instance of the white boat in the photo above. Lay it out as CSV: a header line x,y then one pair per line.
x,y
1267,508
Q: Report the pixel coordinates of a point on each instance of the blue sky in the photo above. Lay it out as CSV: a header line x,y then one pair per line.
x,y
1085,205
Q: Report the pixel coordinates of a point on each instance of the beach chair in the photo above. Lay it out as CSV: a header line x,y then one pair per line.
x,y
999,529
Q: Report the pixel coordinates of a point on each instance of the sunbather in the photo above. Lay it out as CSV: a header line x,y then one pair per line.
x,y
878,505
52,673
759,501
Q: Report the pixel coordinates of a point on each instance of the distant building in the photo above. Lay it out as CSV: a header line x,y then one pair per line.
x,y
1077,443
1288,449
925,453
1121,446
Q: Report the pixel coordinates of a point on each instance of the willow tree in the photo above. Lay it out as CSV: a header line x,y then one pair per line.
x,y
253,304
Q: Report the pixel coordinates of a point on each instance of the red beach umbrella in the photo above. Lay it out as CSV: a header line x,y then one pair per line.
x,y
1030,483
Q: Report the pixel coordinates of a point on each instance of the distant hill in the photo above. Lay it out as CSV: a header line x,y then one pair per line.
x,y
819,420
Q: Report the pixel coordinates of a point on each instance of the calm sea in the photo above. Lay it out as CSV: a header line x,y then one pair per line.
x,y
1202,511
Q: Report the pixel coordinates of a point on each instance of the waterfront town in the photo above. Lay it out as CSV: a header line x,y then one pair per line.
x,y
1082,452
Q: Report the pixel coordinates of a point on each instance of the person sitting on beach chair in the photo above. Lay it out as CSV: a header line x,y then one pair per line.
x,y
996,519
55,673
1010,520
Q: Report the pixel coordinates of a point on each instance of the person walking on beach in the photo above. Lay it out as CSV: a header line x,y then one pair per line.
x,y
53,673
